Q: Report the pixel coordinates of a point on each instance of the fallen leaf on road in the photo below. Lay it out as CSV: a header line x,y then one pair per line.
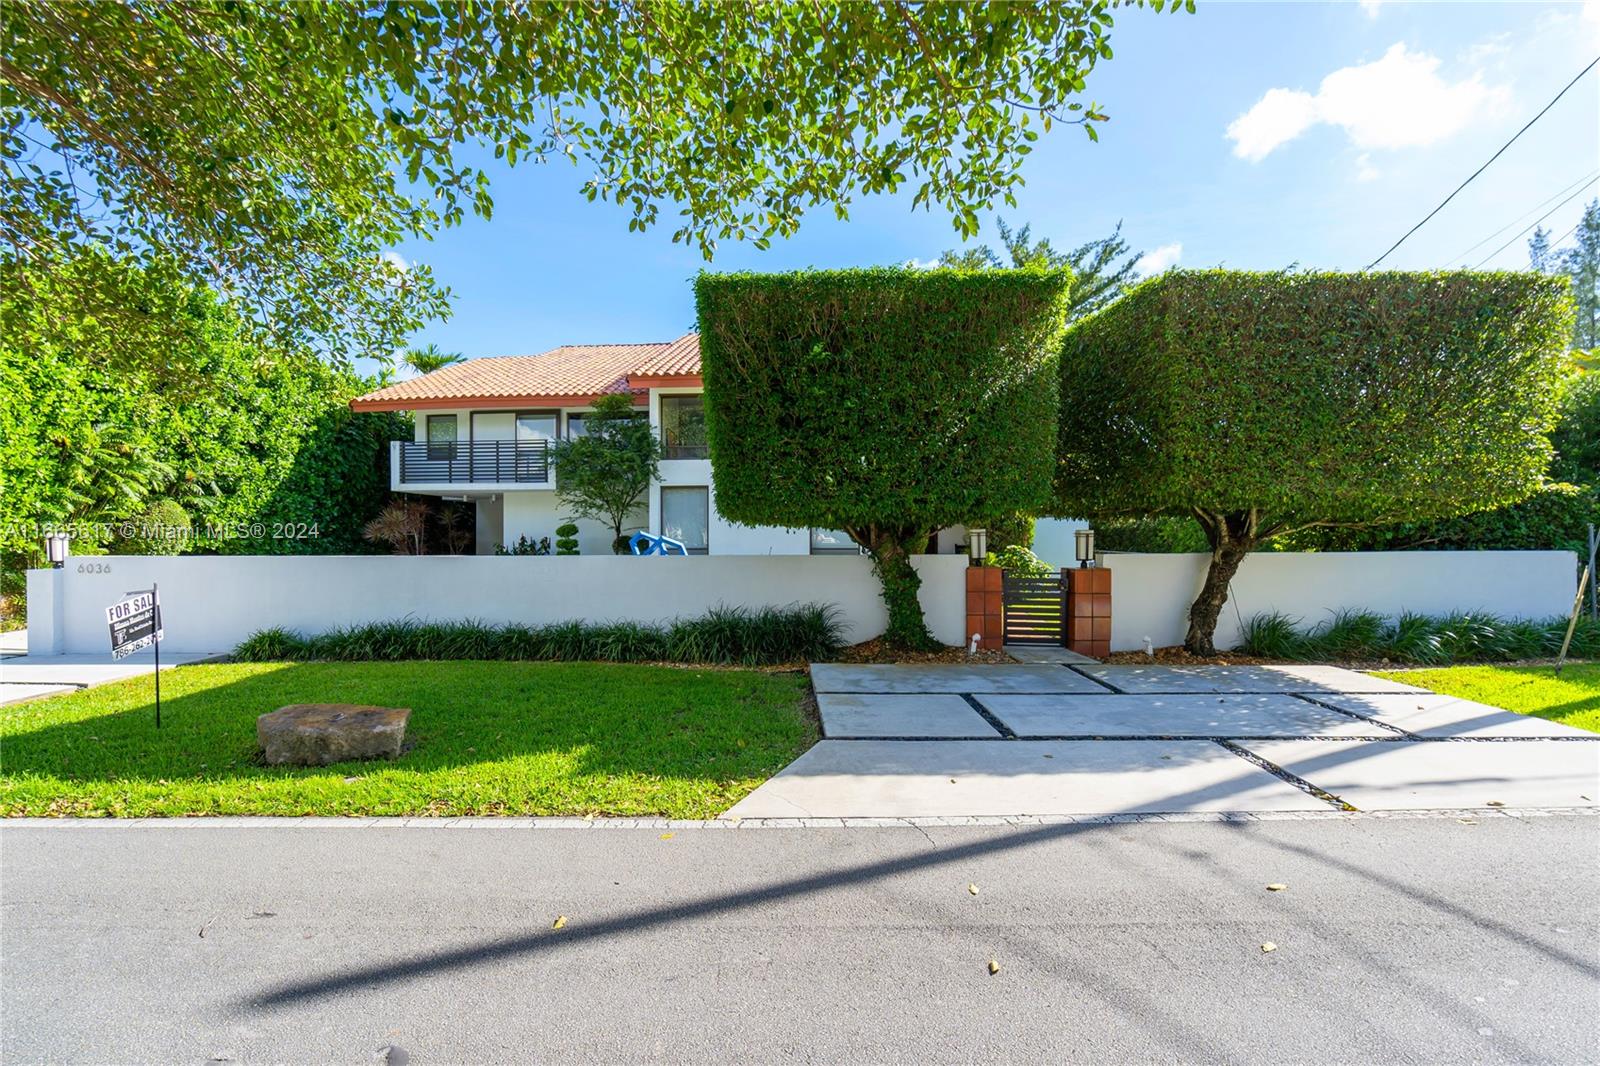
x,y
1494,803
1269,946
952,780
666,836
973,889
1276,887
1467,821
994,967
560,922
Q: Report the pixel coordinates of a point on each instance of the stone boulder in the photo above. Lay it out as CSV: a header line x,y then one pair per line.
x,y
316,734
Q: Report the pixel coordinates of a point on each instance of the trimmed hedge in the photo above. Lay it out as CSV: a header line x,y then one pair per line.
x,y
1313,397
1259,404
887,403
1415,638
767,636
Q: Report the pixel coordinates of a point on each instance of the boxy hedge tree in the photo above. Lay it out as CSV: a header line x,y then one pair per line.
x,y
886,403
1265,403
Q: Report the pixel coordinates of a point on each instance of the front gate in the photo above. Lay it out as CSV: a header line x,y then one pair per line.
x,y
1035,609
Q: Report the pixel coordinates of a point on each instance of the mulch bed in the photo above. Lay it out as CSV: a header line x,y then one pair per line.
x,y
873,651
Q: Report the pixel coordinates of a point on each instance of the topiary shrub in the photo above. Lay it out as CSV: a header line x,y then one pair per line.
x,y
1259,404
567,539
887,403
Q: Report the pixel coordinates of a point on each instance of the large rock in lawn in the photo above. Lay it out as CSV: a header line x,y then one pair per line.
x,y
316,734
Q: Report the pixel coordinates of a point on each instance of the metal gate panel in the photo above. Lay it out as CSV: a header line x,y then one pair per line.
x,y
1035,609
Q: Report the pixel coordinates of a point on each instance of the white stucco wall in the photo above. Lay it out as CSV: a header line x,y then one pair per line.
x,y
211,603
1151,594
537,514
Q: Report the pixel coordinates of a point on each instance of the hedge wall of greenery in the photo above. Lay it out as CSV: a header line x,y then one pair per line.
x,y
887,403
1313,397
234,434
851,397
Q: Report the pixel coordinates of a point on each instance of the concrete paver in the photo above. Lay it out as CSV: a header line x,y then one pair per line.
x,y
1413,774
914,715
1243,679
1193,715
873,778
1047,653
1428,714
944,677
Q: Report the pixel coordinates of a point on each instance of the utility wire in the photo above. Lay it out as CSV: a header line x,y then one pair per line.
x,y
1535,222
1537,207
1592,63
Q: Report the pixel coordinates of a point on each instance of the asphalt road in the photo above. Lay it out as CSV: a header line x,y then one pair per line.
x,y
1398,940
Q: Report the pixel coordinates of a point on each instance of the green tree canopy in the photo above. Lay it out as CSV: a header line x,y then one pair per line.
x,y
1101,269
275,150
1265,403
886,403
1581,264
428,359
249,436
605,473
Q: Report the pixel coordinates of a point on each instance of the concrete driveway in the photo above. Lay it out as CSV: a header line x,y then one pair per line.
x,y
1073,739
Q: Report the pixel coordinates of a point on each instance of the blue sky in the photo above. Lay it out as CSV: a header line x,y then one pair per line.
x,y
1249,135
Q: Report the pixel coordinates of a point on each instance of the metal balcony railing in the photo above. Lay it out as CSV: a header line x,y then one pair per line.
x,y
427,463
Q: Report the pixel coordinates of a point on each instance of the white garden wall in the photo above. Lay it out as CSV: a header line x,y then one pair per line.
x,y
1151,594
211,603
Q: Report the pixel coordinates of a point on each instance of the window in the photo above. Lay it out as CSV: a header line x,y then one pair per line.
x,y
441,436
683,427
686,516
833,542
536,427
578,424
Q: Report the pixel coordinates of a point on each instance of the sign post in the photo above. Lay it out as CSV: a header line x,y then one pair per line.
x,y
135,624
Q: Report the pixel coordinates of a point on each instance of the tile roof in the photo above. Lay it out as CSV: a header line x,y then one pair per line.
x,y
573,373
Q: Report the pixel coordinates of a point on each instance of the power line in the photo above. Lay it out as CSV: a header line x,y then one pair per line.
x,y
1537,207
1535,222
1480,170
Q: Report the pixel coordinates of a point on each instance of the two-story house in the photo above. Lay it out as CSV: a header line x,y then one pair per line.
x,y
484,429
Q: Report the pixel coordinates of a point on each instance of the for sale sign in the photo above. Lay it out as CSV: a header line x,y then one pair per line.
x,y
135,623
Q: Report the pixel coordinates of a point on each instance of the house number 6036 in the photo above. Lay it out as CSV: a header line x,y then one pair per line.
x,y
94,568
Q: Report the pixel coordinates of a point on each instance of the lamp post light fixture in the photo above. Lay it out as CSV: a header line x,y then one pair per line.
x,y
55,547
977,545
1084,542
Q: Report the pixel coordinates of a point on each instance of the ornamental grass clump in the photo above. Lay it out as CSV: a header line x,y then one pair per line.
x,y
764,636
1414,638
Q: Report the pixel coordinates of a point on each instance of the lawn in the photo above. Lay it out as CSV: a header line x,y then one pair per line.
x,y
484,738
1572,699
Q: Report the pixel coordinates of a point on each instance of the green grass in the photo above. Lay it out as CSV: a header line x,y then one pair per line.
x,y
485,738
1572,699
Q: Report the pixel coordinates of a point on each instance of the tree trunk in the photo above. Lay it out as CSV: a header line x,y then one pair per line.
x,y
891,561
1232,535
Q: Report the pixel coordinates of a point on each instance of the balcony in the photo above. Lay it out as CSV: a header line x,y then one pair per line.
x,y
483,463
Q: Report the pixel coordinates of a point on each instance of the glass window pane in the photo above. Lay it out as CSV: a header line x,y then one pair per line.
x,y
832,540
441,436
683,427
536,427
686,516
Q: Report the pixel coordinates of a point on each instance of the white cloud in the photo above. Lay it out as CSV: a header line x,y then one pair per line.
x,y
1591,20
1371,7
396,260
1154,262
920,264
1399,101
1365,171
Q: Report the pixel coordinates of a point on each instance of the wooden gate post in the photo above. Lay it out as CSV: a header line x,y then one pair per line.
x,y
1088,610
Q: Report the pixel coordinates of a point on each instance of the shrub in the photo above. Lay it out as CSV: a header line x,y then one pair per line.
x,y
887,403
1020,560
765,636
1264,403
567,539
1415,638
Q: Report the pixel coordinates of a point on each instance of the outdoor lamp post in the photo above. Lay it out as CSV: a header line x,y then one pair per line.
x,y
1084,540
55,546
977,545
